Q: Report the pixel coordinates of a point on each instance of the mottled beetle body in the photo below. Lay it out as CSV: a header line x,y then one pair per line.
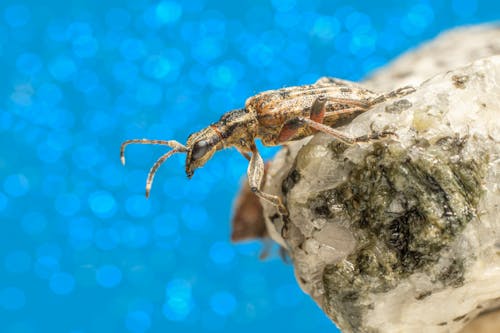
x,y
275,117
276,107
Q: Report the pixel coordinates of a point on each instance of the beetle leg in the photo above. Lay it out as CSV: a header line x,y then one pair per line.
x,y
255,174
393,94
301,121
289,129
245,155
318,109
317,114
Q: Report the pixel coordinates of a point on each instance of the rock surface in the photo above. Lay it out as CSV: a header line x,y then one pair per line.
x,y
450,50
403,234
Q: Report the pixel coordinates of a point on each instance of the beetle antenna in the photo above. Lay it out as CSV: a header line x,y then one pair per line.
x,y
171,143
155,167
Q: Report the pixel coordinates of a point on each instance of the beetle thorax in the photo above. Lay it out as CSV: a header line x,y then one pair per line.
x,y
237,126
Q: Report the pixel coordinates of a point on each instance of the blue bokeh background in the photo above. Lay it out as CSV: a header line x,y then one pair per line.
x,y
81,249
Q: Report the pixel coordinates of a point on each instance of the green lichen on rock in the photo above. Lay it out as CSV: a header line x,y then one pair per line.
x,y
407,204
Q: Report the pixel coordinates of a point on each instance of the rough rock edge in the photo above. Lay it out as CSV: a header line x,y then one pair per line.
x,y
330,264
452,49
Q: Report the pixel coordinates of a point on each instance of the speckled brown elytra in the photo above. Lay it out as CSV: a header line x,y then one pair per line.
x,y
275,117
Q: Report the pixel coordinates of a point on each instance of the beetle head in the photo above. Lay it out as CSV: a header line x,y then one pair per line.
x,y
202,145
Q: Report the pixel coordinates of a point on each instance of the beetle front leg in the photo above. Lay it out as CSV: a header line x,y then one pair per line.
x,y
244,154
255,174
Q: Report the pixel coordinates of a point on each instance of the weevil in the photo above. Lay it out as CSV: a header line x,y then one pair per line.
x,y
275,117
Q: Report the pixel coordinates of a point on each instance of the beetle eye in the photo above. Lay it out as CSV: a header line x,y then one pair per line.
x,y
200,148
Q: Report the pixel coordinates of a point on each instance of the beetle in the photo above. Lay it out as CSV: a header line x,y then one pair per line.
x,y
275,117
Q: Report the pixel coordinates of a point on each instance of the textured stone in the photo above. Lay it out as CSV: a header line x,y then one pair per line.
x,y
402,234
450,50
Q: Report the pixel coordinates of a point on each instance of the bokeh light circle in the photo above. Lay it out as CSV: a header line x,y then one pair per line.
x,y
108,276
12,298
102,204
62,283
138,321
223,303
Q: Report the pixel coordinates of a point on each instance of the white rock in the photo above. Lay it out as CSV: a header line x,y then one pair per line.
x,y
403,235
452,49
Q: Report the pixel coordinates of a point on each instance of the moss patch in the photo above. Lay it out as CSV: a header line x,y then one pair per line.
x,y
404,211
